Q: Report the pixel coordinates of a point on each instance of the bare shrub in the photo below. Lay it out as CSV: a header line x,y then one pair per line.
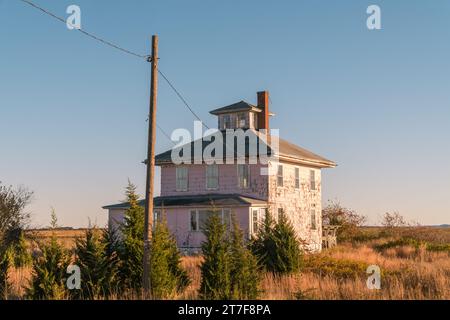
x,y
348,220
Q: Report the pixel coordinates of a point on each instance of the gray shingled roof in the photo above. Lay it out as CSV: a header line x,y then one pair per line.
x,y
197,200
287,150
236,107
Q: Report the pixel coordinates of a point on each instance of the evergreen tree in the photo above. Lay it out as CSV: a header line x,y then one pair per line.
x,y
49,272
21,256
244,266
288,251
276,246
132,251
216,266
98,273
112,247
49,276
4,267
166,275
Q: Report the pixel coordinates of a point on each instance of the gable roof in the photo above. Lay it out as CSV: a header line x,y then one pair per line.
x,y
196,200
286,151
236,107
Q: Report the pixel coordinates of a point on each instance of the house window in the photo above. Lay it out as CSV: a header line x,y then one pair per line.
x,y
193,221
263,213
182,178
254,119
157,217
241,120
312,178
226,121
280,176
226,217
212,176
297,178
313,219
280,213
243,175
199,217
255,222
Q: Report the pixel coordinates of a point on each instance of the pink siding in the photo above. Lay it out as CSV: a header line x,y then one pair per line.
x,y
228,181
178,220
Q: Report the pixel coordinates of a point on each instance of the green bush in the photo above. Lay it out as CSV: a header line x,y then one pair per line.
x,y
4,267
49,272
276,246
21,256
337,268
229,269
398,243
245,273
99,272
216,266
132,244
166,275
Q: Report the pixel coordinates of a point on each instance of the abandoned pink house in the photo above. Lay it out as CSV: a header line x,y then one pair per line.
x,y
191,191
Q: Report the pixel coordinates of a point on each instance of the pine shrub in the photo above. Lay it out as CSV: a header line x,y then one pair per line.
x,y
166,275
21,256
98,271
245,275
277,247
132,246
216,267
49,272
4,267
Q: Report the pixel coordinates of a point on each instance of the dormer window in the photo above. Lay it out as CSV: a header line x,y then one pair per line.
x,y
243,115
253,120
242,120
227,122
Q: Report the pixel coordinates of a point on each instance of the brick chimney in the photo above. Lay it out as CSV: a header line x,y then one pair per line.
x,y
263,104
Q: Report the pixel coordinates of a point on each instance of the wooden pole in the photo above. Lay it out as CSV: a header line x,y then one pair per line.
x,y
150,165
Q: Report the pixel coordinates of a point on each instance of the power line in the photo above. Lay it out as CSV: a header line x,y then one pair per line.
x,y
181,97
164,133
108,43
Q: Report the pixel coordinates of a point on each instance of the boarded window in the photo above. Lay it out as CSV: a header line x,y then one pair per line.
x,y
313,219
212,176
312,178
182,178
280,176
297,178
243,175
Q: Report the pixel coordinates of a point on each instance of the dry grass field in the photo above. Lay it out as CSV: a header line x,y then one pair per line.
x,y
66,237
417,268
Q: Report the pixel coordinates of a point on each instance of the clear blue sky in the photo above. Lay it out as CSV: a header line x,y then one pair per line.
x,y
72,111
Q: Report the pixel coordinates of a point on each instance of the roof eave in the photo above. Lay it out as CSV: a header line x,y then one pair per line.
x,y
316,163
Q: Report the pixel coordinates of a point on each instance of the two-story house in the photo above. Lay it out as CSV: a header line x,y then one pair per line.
x,y
190,192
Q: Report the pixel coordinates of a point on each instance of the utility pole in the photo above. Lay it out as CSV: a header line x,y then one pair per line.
x,y
150,166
